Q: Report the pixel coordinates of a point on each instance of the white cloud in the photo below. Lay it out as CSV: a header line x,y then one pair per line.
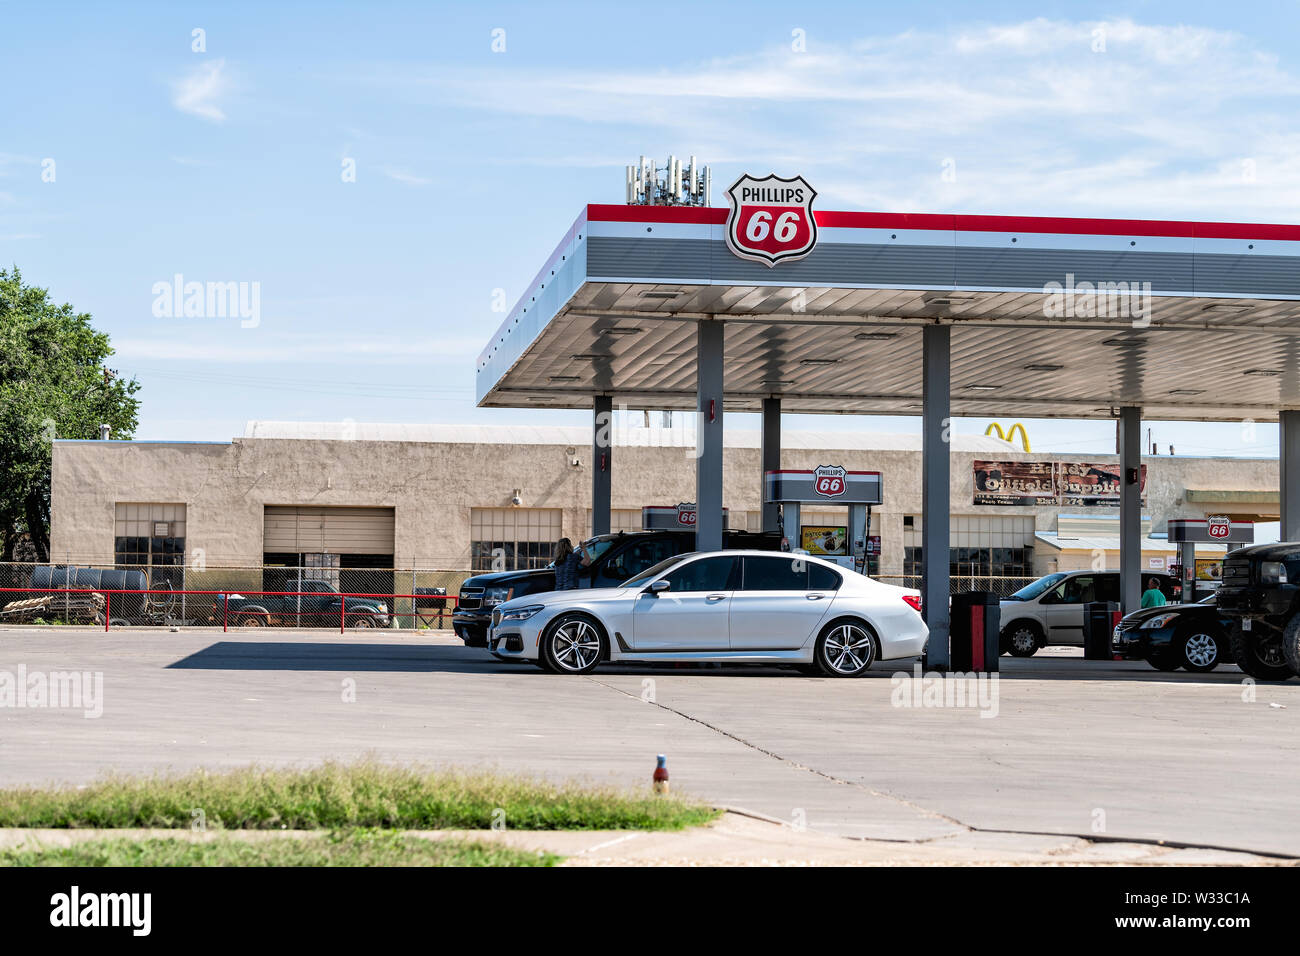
x,y
1078,117
405,178
200,91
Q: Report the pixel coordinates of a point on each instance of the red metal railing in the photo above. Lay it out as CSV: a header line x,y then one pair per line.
x,y
421,604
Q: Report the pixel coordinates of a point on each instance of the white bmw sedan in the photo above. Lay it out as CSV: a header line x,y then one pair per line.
x,y
737,607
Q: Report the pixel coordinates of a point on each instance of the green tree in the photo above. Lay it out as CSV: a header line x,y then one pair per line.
x,y
53,384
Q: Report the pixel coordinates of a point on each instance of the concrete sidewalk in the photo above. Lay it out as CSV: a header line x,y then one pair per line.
x,y
738,839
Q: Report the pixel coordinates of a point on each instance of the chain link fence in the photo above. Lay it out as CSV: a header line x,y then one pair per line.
x,y
179,595
273,596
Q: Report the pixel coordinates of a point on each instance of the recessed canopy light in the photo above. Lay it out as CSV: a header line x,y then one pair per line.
x,y
1262,371
875,336
1186,391
983,388
660,295
587,356
773,383
1227,307
620,330
818,361
1043,367
1123,343
564,378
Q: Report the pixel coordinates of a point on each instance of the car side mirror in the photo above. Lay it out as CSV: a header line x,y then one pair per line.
x,y
658,587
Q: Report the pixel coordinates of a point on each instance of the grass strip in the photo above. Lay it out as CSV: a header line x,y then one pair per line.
x,y
340,848
337,795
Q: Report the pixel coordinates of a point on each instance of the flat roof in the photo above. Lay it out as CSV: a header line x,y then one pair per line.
x,y
613,311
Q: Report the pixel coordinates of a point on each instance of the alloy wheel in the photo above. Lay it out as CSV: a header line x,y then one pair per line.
x,y
848,649
575,645
1201,649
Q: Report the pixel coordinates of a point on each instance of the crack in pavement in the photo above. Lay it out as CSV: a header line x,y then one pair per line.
x,y
1093,838
901,801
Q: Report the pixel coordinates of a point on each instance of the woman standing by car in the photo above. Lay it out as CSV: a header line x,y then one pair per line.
x,y
567,562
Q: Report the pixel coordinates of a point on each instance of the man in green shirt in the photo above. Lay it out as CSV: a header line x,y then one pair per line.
x,y
1153,596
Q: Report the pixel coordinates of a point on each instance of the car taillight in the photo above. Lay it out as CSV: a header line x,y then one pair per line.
x,y
914,600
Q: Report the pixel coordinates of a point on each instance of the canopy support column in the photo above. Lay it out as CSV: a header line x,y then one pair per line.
x,y
1130,508
935,483
708,440
602,461
1289,474
770,459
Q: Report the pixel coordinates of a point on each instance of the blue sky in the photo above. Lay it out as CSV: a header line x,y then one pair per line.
x,y
225,165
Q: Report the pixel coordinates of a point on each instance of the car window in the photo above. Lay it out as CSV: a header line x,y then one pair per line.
x,y
822,578
706,574
1108,587
651,573
775,574
1080,590
634,559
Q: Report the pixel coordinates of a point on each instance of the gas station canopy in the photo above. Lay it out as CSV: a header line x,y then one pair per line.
x,y
1049,317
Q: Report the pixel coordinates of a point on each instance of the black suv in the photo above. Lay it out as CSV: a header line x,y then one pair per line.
x,y
614,559
1260,591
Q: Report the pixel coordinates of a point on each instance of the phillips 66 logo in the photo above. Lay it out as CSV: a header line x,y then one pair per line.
x,y
1219,527
771,219
828,480
686,515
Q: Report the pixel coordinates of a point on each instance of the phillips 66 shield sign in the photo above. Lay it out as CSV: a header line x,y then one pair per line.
x,y
771,219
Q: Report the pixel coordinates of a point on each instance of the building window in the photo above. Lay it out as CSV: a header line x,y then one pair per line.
x,y
510,539
150,537
988,547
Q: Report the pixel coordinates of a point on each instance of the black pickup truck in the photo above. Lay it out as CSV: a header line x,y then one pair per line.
x,y
1260,592
319,606
613,559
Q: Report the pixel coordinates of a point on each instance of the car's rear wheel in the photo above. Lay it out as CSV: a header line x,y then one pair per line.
x,y
845,649
1021,639
1198,650
252,618
1260,655
573,644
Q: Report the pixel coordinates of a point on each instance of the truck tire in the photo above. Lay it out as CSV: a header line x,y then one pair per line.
x,y
1291,644
1258,656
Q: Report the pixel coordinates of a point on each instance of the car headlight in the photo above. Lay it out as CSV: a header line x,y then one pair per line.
x,y
521,613
1272,572
1159,621
494,596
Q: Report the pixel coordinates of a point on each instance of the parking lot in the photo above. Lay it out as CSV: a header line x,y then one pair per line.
x,y
1099,749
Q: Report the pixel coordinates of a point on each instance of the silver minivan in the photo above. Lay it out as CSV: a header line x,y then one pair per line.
x,y
1050,610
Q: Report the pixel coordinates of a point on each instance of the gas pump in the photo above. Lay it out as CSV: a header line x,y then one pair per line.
x,y
826,484
1187,533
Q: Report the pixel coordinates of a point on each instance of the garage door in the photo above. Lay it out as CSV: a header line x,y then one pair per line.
x,y
312,530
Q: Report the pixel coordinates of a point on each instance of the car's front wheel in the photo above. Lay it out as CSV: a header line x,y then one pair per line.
x,y
1260,655
573,644
1291,644
1198,650
845,649
1021,639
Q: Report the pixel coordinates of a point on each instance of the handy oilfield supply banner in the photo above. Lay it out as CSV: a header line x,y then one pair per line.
x,y
1049,483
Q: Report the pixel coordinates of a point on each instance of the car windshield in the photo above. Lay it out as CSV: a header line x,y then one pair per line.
x,y
650,573
1035,588
595,547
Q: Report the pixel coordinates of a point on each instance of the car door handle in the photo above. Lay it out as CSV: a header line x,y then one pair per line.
x,y
814,597
716,597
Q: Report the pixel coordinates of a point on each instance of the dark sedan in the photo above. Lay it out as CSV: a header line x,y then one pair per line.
x,y
1191,636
